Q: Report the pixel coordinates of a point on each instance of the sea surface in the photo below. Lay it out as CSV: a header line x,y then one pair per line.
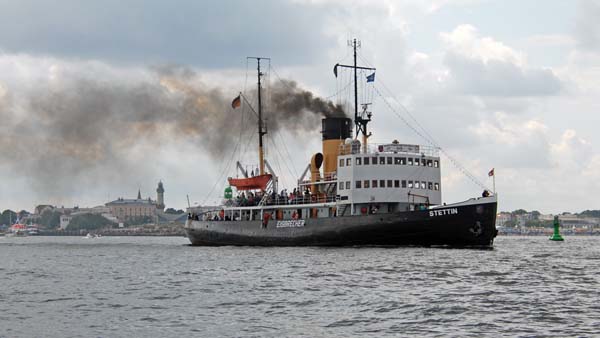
x,y
161,287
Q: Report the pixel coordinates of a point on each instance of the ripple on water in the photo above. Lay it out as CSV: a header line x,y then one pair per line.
x,y
155,287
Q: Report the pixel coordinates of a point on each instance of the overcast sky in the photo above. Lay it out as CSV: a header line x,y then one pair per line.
x,y
95,96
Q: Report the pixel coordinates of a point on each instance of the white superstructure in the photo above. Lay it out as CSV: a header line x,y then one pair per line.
x,y
394,177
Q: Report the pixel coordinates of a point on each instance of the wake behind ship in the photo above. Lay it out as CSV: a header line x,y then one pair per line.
x,y
353,192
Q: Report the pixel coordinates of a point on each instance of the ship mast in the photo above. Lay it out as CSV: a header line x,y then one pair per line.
x,y
364,118
261,131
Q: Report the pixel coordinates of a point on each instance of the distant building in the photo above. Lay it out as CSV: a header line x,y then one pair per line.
x,y
524,218
64,221
502,218
124,209
69,213
575,221
160,194
40,208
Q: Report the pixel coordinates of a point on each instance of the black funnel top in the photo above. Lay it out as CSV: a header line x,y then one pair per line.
x,y
336,128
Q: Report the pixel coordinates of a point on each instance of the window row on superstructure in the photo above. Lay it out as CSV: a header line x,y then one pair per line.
x,y
366,184
389,160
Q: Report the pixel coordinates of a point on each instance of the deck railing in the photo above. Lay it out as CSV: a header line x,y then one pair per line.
x,y
388,148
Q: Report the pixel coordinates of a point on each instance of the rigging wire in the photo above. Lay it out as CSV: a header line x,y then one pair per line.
x,y
295,173
432,143
389,93
282,160
281,79
277,162
246,80
339,91
223,172
423,133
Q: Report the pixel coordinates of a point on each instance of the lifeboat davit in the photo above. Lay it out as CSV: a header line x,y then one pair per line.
x,y
251,183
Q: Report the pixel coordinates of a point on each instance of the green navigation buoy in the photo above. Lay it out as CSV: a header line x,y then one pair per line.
x,y
556,236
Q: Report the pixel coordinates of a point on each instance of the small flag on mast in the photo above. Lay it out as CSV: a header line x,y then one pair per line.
x,y
371,78
236,102
491,173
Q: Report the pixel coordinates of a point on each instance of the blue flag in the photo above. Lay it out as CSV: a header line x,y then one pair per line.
x,y
371,78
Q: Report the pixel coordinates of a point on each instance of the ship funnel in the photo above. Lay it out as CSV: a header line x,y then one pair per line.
x,y
335,130
315,175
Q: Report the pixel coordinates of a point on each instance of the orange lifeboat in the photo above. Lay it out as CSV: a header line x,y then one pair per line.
x,y
251,183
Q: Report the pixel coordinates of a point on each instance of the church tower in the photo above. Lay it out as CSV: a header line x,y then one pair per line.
x,y
160,196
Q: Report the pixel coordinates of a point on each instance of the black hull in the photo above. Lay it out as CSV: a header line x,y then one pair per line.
x,y
470,225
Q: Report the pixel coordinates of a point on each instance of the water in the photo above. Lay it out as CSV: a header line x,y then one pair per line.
x,y
158,287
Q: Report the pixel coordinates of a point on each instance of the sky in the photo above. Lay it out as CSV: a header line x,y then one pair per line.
x,y
100,99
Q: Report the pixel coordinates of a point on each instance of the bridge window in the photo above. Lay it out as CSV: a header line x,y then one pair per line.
x,y
429,163
374,185
389,160
416,161
436,186
347,185
396,183
436,163
410,162
366,160
341,162
423,185
403,183
366,184
341,185
403,160
396,160
382,183
358,160
358,184
423,162
429,185
382,160
373,160
410,184
389,183
348,162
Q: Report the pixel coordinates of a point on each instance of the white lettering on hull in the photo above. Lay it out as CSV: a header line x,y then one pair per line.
x,y
291,224
443,212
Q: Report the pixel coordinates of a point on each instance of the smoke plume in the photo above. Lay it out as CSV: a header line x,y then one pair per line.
x,y
73,130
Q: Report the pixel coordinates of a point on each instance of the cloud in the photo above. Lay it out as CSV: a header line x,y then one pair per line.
x,y
499,78
485,101
587,28
551,40
69,123
485,67
517,143
199,33
530,144
465,40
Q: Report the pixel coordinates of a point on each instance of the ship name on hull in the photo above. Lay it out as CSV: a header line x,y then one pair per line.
x,y
443,212
297,223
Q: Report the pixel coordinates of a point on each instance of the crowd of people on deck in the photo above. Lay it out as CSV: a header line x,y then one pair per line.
x,y
249,199
295,197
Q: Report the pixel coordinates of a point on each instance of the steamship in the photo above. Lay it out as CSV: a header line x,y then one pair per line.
x,y
352,193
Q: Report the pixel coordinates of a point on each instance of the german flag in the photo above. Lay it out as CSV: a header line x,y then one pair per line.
x,y
236,102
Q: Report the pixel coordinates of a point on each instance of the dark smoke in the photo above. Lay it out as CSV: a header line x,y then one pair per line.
x,y
299,109
86,130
